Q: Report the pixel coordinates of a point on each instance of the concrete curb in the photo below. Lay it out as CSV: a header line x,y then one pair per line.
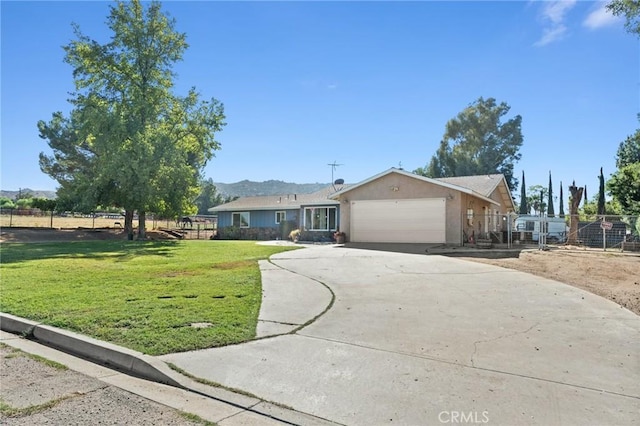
x,y
146,367
109,355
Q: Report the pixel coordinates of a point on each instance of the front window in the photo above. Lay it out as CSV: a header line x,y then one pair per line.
x,y
281,217
240,220
320,218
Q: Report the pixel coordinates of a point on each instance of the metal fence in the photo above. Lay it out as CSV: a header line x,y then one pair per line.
x,y
594,231
195,227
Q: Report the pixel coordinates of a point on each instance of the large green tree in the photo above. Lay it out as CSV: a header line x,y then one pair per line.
x,y
624,184
137,144
73,163
477,142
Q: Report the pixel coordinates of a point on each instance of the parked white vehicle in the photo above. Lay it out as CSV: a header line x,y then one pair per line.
x,y
555,227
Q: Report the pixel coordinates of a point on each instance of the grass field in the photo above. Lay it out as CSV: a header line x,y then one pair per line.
x,y
153,297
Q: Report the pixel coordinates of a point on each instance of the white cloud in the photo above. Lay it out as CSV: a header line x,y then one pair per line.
x,y
551,34
600,17
556,10
553,16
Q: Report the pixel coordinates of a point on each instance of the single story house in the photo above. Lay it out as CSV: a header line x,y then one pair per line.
x,y
396,206
263,216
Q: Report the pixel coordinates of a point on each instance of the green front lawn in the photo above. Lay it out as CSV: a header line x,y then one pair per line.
x,y
144,296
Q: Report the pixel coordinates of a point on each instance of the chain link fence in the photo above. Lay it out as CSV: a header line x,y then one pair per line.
x,y
616,232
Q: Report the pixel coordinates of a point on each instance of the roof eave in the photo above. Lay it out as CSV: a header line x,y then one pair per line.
x,y
407,174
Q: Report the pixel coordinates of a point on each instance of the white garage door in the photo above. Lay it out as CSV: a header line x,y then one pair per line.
x,y
398,221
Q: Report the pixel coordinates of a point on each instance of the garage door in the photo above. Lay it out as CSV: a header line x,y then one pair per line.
x,y
398,221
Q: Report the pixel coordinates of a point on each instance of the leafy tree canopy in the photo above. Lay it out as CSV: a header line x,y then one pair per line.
x,y
630,9
590,209
477,142
130,142
537,198
210,197
629,150
7,203
624,184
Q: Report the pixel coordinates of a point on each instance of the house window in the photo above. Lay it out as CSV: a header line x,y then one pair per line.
x,y
281,217
320,218
240,220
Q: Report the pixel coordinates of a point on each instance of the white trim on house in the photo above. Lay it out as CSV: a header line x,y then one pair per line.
x,y
327,220
240,221
279,219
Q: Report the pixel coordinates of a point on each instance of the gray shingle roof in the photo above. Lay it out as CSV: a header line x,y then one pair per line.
x,y
280,202
482,184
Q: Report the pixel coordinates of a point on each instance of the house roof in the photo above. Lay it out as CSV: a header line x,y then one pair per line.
x,y
280,202
483,184
480,186
474,181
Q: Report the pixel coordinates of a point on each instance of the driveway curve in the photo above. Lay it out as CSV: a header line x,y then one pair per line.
x,y
415,339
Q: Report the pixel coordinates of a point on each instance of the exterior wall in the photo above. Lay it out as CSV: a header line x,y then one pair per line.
x,y
485,218
224,219
397,187
257,218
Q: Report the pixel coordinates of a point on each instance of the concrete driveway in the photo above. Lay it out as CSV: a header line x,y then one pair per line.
x,y
420,340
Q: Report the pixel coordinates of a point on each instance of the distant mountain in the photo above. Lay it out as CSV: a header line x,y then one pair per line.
x,y
247,188
37,193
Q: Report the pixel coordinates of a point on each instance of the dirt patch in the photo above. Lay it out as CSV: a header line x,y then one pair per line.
x,y
42,235
615,276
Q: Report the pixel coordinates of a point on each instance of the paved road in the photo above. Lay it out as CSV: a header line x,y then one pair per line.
x,y
414,340
32,392
37,393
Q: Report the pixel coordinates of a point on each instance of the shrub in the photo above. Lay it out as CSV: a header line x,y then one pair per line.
x,y
258,234
286,227
316,236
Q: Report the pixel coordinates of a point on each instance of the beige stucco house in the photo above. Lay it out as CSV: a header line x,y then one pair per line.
x,y
396,206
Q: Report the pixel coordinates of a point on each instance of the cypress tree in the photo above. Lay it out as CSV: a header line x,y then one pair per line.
x,y
585,196
601,208
561,214
524,208
550,210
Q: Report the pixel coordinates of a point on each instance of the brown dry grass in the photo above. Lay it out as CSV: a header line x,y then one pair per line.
x,y
7,221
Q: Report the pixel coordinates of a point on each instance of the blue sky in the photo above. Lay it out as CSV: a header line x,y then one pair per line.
x,y
369,85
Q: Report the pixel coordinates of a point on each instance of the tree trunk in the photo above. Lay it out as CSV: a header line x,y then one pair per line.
x,y
128,224
142,230
576,196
